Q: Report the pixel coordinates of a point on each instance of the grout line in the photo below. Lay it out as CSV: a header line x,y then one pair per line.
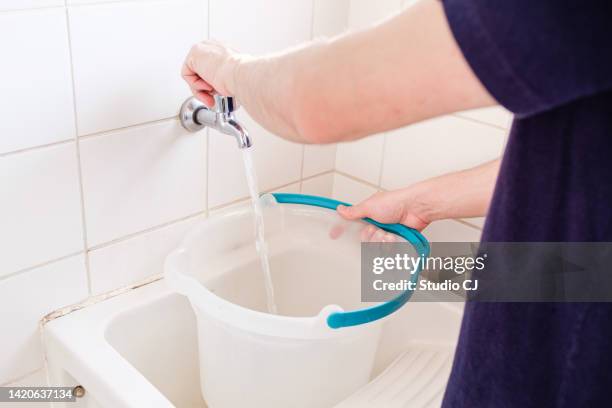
x,y
323,173
208,19
84,222
87,136
207,170
100,2
228,204
269,190
145,231
469,224
357,179
21,377
37,147
460,116
45,354
348,16
382,161
33,8
207,153
245,198
300,181
312,20
123,128
78,152
302,167
39,265
92,300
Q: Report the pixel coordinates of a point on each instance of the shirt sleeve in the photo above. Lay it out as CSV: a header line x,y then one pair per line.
x,y
535,55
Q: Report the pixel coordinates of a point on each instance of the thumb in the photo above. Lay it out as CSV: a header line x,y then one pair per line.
x,y
353,212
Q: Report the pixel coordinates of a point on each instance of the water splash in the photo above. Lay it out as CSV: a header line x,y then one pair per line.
x,y
260,241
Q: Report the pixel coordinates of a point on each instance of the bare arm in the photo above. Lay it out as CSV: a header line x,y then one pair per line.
x,y
462,194
402,71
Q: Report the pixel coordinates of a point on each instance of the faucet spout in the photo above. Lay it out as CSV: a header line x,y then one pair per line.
x,y
230,126
195,116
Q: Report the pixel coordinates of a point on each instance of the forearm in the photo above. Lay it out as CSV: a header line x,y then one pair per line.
x,y
402,71
456,195
461,194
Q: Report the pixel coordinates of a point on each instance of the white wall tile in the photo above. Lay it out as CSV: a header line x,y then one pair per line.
x,y
322,185
26,298
260,26
79,2
475,221
496,116
330,17
451,231
40,207
226,173
318,159
28,4
127,58
362,158
140,177
351,191
435,147
217,212
36,106
136,258
277,162
293,188
364,13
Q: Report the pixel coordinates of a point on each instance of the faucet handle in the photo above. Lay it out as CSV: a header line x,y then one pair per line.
x,y
224,104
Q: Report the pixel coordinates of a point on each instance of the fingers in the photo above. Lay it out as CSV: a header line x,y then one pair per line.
x,y
354,212
336,231
200,87
371,233
198,84
194,80
367,233
205,97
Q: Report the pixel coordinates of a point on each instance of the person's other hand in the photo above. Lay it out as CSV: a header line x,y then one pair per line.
x,y
400,206
208,69
462,194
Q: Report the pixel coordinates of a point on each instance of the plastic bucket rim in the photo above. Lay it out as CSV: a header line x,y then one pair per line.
x,y
378,312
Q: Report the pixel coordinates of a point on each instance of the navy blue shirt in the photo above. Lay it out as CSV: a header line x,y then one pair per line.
x,y
549,62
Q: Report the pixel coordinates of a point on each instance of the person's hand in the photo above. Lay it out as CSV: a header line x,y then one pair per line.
x,y
208,69
461,194
400,206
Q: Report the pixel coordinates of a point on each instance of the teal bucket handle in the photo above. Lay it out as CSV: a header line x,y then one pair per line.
x,y
338,320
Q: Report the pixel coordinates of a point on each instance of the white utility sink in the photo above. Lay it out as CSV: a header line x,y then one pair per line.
x,y
139,349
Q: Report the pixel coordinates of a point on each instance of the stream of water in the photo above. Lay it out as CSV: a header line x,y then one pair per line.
x,y
260,241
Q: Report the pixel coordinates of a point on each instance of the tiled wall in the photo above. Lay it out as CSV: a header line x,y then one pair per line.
x,y
98,181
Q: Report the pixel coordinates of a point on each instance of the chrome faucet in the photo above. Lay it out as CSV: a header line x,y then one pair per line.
x,y
196,116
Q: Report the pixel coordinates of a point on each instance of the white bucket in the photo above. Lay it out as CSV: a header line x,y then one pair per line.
x,y
250,358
